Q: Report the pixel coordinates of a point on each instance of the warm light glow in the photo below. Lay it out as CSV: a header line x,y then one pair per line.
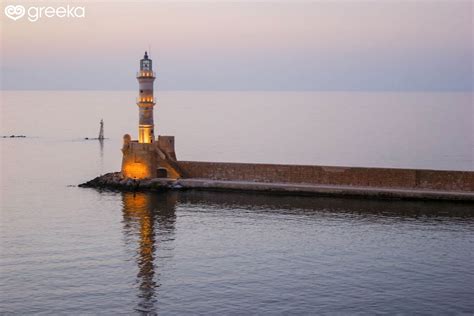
x,y
145,99
145,134
136,170
135,203
138,208
144,73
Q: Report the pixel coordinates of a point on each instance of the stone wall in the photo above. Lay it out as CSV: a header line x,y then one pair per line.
x,y
149,160
347,176
166,144
139,160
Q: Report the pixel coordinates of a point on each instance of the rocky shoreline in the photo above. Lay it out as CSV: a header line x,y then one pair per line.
x,y
114,180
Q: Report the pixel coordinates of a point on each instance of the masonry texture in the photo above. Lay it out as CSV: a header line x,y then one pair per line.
x,y
346,176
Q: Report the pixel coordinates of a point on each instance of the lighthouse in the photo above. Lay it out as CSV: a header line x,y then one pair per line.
x,y
146,101
148,157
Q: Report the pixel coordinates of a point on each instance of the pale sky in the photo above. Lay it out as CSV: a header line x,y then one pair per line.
x,y
321,45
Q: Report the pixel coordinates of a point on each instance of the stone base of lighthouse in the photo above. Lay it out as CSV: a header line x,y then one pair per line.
x,y
150,160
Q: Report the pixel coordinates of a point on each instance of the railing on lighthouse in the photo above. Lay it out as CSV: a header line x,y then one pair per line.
x,y
146,74
146,100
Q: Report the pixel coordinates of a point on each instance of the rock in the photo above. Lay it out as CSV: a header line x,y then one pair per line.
x,y
115,181
176,186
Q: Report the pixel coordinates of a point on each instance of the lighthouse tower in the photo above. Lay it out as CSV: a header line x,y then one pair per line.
x,y
146,101
148,157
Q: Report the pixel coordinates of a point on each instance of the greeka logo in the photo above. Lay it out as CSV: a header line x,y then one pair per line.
x,y
16,12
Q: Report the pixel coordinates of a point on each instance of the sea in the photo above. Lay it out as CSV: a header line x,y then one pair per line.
x,y
66,250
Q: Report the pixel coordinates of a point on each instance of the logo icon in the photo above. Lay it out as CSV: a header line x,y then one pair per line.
x,y
15,12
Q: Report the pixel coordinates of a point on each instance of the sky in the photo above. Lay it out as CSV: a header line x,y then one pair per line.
x,y
383,45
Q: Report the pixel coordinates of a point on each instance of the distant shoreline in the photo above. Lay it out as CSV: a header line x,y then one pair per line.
x,y
14,136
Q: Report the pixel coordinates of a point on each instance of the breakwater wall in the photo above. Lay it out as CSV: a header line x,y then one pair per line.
x,y
420,179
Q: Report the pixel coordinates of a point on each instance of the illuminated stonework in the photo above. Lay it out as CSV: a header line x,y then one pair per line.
x,y
145,134
136,170
148,157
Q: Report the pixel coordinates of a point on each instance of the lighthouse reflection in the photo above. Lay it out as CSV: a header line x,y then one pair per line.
x,y
149,224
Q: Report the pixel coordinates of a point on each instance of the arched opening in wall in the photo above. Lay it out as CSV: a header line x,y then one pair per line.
x,y
162,173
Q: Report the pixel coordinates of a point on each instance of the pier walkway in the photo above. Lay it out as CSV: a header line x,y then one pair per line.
x,y
318,189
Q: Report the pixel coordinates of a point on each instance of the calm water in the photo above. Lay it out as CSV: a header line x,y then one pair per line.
x,y
66,250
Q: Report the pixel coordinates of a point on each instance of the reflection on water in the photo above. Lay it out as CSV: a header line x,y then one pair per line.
x,y
101,144
152,218
330,206
149,227
232,253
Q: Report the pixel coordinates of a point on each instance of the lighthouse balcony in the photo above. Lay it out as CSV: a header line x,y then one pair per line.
x,y
145,74
151,100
